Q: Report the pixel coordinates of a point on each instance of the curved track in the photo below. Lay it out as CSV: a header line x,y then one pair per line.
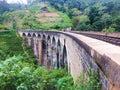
x,y
113,38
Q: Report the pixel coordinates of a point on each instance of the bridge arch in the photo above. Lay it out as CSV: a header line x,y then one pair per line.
x,y
29,35
44,49
44,37
54,53
79,54
48,40
44,43
64,62
34,35
29,39
58,53
49,58
24,34
53,41
39,36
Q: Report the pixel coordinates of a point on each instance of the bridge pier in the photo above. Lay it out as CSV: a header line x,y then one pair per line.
x,y
29,40
39,59
54,58
44,51
53,54
64,57
35,46
58,54
49,58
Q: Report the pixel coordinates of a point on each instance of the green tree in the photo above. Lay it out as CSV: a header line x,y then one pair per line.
x,y
93,14
116,24
4,6
106,20
81,23
110,29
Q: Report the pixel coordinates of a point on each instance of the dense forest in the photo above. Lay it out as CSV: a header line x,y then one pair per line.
x,y
91,15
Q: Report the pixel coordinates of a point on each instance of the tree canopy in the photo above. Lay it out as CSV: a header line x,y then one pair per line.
x,y
101,14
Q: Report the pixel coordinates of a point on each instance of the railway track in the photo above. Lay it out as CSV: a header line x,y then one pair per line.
x,y
113,38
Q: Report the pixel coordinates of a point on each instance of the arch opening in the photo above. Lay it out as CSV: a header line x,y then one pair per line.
x,y
44,49
54,54
29,35
64,58
23,34
29,39
43,37
39,36
48,40
44,43
58,53
34,35
53,41
49,51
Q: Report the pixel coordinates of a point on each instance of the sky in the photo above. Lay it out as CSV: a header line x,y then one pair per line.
x,y
15,1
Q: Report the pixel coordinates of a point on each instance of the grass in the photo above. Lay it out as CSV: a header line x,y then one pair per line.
x,y
10,45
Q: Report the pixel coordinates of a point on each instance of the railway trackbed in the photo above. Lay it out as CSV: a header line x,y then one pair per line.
x,y
112,38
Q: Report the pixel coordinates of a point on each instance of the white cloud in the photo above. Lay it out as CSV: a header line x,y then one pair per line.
x,y
17,1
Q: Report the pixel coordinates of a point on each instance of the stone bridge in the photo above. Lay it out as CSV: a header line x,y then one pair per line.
x,y
54,49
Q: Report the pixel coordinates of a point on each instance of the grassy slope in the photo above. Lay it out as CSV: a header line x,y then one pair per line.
x,y
26,19
11,45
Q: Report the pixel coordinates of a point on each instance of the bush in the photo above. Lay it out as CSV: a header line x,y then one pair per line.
x,y
1,26
110,29
66,83
83,27
89,81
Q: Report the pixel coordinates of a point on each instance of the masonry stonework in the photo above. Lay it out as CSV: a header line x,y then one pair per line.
x,y
58,49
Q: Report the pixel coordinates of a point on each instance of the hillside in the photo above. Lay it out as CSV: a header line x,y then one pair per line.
x,y
32,17
91,15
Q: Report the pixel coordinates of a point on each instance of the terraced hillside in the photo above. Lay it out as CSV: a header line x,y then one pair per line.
x,y
34,17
